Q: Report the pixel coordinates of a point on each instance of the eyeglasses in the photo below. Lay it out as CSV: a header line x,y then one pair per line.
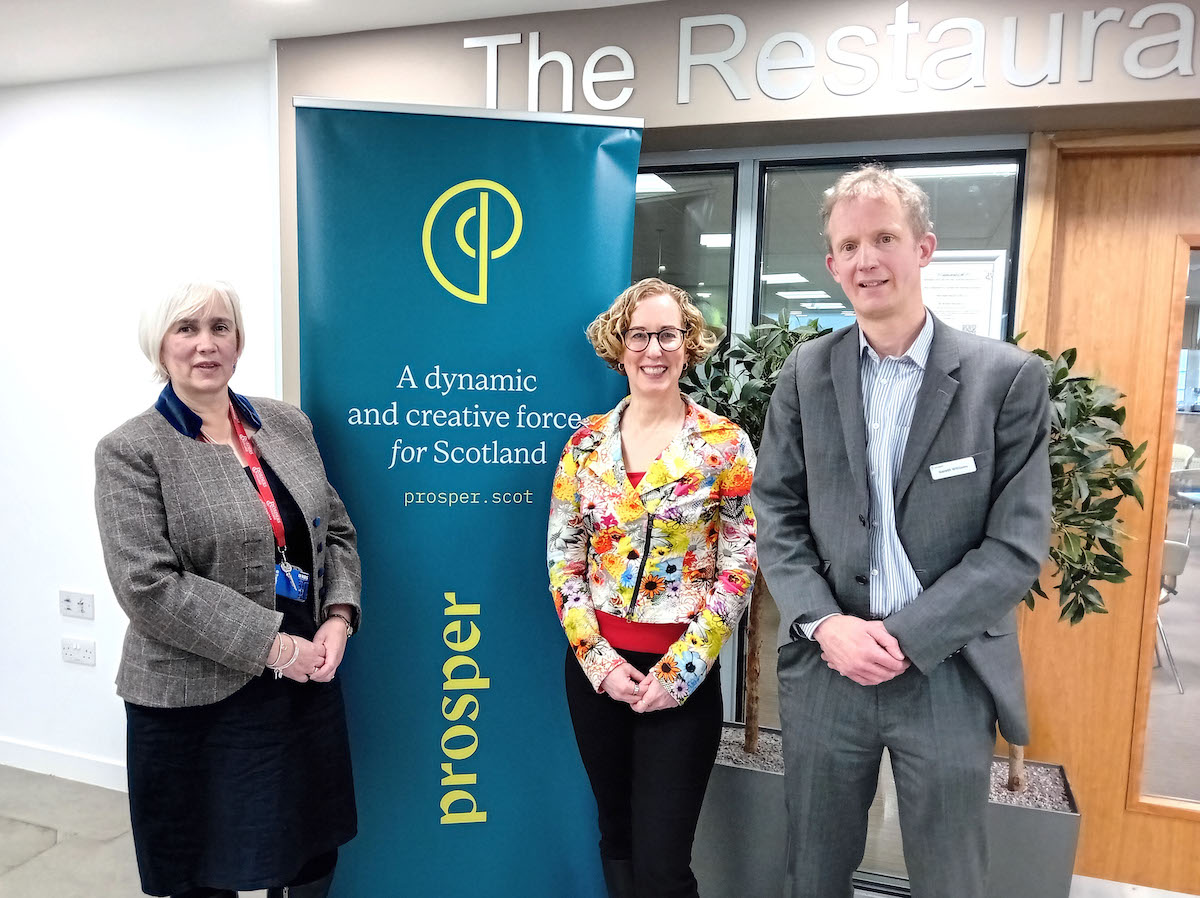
x,y
669,338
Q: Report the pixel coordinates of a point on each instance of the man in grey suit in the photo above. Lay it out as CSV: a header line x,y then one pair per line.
x,y
903,502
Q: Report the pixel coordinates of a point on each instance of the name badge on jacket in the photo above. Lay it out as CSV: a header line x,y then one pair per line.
x,y
945,469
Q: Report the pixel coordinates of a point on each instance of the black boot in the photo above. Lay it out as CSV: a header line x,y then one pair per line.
x,y
318,888
618,876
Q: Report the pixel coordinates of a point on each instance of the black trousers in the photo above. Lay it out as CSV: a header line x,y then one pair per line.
x,y
648,773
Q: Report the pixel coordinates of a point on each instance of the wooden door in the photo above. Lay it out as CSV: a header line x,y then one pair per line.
x,y
1109,223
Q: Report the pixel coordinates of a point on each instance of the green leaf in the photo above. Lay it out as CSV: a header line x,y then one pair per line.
x,y
1071,545
1090,596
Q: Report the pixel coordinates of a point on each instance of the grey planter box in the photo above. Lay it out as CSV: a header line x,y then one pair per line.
x,y
741,841
741,838
1032,850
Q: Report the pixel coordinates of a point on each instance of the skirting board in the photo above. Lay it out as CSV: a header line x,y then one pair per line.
x,y
83,768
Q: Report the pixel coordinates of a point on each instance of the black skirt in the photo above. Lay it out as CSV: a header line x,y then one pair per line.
x,y
242,793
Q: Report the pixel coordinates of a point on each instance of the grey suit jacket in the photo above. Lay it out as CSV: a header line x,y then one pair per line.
x,y
191,554
976,541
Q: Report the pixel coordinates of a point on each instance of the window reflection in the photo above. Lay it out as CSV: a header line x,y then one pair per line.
x,y
683,233
972,207
1172,752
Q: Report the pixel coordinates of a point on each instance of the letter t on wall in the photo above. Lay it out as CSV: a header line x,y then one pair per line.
x,y
492,43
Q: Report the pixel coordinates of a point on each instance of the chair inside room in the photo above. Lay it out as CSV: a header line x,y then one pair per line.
x,y
1185,493
1181,456
1175,558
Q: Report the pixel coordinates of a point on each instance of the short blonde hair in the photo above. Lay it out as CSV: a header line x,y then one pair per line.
x,y
186,301
877,182
607,330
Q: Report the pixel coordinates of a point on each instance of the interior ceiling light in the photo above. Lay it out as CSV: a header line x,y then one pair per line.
x,y
994,169
804,294
793,277
649,182
821,306
704,295
716,240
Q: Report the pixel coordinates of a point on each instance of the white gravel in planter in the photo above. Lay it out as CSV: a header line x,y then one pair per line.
x,y
1047,788
769,757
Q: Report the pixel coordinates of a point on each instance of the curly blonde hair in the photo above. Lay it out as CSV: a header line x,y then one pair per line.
x,y
606,331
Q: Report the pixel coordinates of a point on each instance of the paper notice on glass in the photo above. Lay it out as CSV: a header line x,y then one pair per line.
x,y
965,289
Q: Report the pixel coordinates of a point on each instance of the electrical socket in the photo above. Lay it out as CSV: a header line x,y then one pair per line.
x,y
77,604
79,651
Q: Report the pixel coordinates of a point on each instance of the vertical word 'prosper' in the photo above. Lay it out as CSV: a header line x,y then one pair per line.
x,y
461,678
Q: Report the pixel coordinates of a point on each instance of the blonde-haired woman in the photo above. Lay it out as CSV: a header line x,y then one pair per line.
x,y
236,563
651,555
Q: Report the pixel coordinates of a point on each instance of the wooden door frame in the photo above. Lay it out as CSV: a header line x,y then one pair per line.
x,y
1035,278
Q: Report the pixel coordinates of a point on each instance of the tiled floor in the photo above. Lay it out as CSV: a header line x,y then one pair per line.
x,y
61,839
1083,887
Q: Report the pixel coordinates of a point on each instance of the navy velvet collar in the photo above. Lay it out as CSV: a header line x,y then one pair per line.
x,y
187,422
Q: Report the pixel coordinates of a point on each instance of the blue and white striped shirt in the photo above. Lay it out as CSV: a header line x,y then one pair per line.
x,y
889,395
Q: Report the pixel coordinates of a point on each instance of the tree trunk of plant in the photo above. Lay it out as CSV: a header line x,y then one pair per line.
x,y
753,662
1018,778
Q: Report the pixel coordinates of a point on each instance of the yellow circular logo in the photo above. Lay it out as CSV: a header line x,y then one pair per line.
x,y
483,253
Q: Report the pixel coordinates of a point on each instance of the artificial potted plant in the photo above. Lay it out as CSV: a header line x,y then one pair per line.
x,y
1089,481
1093,468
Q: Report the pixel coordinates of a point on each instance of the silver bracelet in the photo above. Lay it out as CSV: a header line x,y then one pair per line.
x,y
278,652
292,660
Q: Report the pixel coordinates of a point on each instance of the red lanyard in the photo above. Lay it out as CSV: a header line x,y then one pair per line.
x,y
260,478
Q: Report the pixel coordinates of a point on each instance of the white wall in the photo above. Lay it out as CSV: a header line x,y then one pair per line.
x,y
111,191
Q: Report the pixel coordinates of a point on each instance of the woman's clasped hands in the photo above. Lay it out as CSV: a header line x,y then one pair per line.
x,y
332,638
642,692
302,660
299,659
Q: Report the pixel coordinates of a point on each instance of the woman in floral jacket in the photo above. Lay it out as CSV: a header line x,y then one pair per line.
x,y
651,555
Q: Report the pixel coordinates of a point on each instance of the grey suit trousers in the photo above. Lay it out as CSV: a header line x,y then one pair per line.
x,y
940,733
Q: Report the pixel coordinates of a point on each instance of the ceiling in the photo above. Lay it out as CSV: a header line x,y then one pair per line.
x,y
57,40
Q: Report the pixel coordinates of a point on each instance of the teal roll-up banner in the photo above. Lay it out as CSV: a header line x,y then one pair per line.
x,y
449,261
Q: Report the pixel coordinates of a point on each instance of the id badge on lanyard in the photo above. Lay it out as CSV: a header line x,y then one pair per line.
x,y
290,581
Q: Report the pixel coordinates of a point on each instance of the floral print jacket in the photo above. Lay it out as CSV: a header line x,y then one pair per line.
x,y
679,547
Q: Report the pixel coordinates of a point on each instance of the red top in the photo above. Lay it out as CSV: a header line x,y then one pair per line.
x,y
635,477
634,636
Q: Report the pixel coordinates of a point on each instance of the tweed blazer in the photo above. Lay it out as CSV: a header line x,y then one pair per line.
x,y
976,540
191,554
